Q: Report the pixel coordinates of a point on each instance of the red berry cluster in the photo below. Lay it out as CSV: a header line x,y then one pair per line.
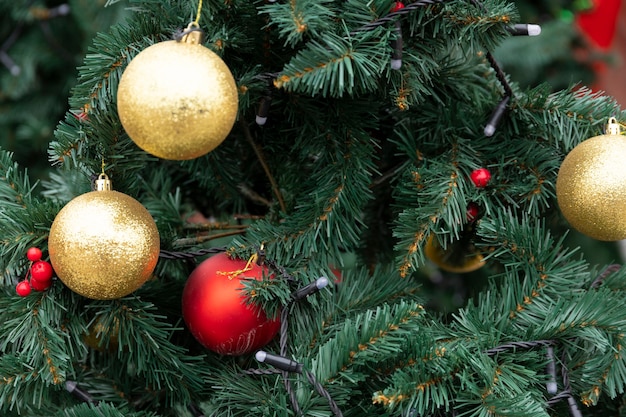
x,y
40,273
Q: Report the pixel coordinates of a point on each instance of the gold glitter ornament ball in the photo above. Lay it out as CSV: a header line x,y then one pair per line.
x,y
103,245
177,100
458,257
591,186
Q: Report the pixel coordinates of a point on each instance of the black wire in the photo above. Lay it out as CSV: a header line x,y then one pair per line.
x,y
284,327
319,388
607,271
189,255
257,371
519,345
178,36
392,17
508,91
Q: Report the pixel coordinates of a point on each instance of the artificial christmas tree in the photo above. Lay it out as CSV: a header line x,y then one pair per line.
x,y
359,125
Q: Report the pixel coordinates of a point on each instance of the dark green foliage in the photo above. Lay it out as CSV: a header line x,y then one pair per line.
x,y
356,168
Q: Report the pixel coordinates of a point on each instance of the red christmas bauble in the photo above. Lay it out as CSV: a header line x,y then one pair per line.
x,y
41,271
215,309
480,177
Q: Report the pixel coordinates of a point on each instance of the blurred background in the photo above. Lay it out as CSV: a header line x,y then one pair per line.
x,y
611,78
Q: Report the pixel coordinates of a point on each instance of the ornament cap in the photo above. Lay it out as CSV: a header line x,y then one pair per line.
x,y
613,128
103,183
192,34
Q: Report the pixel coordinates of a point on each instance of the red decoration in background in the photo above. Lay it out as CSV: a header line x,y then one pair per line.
x,y
80,115
599,23
215,308
472,212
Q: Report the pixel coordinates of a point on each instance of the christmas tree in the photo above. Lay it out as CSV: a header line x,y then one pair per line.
x,y
370,226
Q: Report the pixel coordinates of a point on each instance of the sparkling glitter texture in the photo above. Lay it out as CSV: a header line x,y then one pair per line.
x,y
103,245
177,100
591,187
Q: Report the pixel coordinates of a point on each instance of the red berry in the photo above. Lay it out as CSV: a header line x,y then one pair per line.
x,y
397,6
40,285
22,288
41,271
472,212
480,177
33,254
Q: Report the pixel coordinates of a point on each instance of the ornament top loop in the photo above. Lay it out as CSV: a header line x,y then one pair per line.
x,y
103,183
192,34
613,127
249,266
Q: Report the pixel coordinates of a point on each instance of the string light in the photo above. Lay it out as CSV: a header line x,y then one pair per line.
x,y
263,111
397,44
496,116
309,289
551,386
73,388
279,362
523,29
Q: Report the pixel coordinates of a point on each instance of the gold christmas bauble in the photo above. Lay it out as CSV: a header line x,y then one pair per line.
x,y
103,336
177,100
591,186
103,245
457,257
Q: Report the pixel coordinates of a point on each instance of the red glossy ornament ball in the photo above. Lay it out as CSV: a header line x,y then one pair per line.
x,y
480,177
22,288
33,254
41,271
38,285
215,309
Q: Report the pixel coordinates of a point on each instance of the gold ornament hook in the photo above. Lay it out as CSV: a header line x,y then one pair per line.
x,y
193,33
103,183
613,128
